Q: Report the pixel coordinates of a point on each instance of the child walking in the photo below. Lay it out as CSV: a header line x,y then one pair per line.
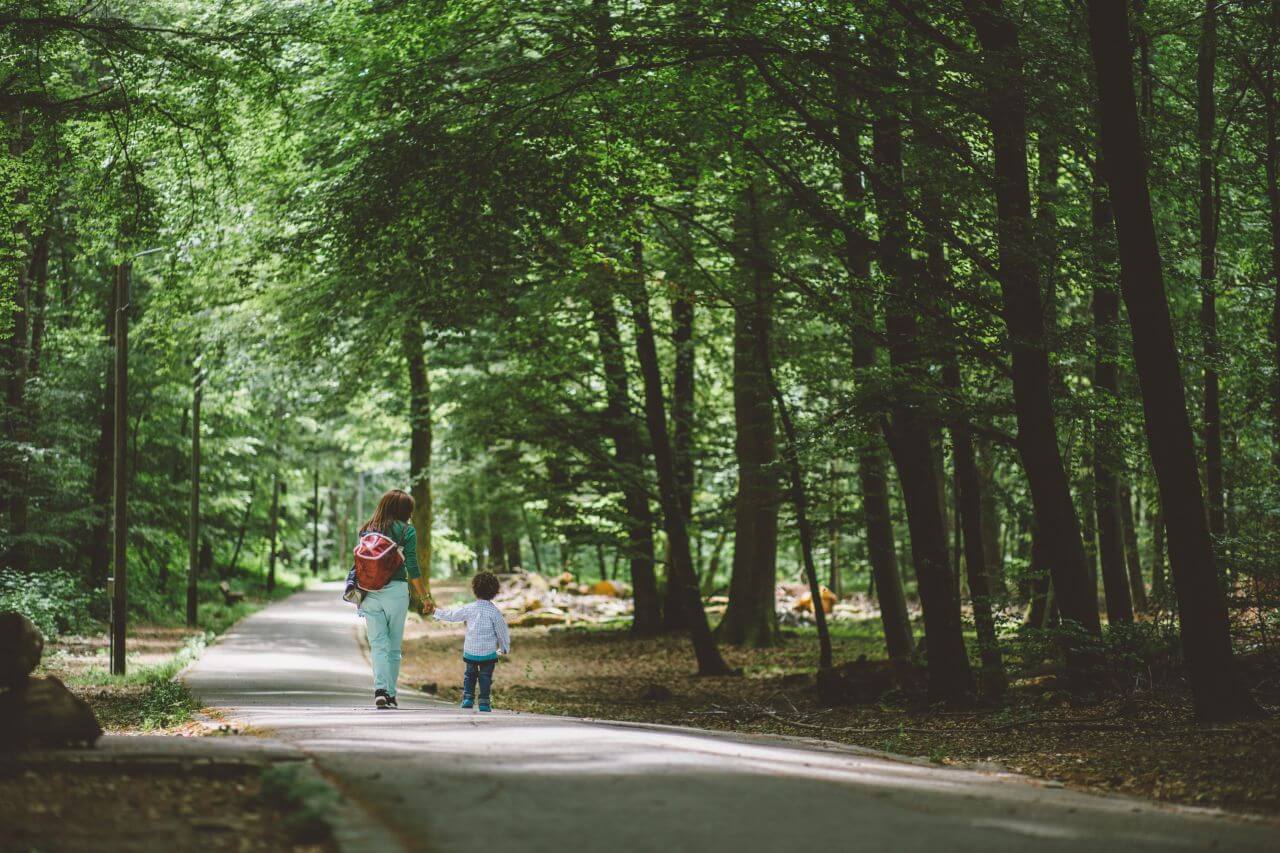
x,y
487,637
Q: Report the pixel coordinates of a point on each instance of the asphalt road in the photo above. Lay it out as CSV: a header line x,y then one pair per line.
x,y
450,780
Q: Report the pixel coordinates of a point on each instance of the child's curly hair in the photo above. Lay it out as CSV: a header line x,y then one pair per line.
x,y
485,585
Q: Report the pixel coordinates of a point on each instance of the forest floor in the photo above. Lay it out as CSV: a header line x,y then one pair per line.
x,y
80,807
1140,743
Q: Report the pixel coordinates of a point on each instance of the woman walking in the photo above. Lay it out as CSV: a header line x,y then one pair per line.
x,y
384,610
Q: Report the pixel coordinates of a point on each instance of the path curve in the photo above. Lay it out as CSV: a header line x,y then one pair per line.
x,y
452,780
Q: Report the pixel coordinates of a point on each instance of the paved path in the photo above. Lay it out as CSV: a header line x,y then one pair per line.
x,y
449,780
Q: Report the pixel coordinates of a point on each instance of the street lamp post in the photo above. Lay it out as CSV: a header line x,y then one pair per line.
x,y
120,483
120,528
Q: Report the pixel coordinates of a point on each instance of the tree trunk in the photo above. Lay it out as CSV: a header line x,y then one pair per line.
x,y
1158,591
1218,691
497,549
244,526
275,530
682,412
1040,600
420,445
950,678
622,426
991,536
315,520
834,579
533,544
1271,112
800,502
872,476
40,301
1107,441
1132,557
1205,107
704,644
1055,515
751,617
13,480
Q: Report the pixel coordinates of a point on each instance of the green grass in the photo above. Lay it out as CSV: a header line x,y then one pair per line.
x,y
146,698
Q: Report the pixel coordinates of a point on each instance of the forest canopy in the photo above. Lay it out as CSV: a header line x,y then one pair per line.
x,y
972,308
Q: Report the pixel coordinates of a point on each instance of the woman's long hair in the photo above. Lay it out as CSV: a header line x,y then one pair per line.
x,y
395,505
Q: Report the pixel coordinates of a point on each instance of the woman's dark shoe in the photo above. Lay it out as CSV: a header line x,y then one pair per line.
x,y
380,698
391,702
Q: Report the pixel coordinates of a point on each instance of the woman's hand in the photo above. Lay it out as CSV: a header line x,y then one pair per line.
x,y
426,605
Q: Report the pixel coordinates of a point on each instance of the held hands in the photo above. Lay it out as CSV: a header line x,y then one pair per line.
x,y
426,606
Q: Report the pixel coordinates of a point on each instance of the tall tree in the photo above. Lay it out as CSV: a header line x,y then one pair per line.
x,y
624,430
1107,452
750,618
1219,693
1206,142
419,444
950,677
704,643
1020,284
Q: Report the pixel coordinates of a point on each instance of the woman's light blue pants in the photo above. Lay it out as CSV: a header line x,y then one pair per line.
x,y
384,613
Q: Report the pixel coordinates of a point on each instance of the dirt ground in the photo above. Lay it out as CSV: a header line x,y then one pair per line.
x,y
1141,743
97,808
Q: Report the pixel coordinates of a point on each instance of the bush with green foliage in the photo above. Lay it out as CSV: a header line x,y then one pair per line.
x,y
53,600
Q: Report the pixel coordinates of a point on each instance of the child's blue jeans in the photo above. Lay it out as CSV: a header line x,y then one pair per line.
x,y
481,671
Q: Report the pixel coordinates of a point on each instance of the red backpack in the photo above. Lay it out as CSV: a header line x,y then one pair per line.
x,y
378,557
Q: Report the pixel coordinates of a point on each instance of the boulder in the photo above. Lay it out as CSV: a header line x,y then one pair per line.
x,y
43,712
21,644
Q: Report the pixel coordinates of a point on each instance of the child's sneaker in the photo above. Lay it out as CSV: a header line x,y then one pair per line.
x,y
485,708
467,702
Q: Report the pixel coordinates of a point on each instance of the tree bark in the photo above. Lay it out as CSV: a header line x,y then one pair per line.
x,y
315,520
244,526
872,476
275,530
40,302
1107,441
682,412
1271,113
1020,284
1217,689
13,482
751,618
1205,122
420,445
622,427
991,537
800,502
1132,558
949,674
704,644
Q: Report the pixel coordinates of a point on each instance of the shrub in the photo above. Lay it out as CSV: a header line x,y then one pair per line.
x,y
53,600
